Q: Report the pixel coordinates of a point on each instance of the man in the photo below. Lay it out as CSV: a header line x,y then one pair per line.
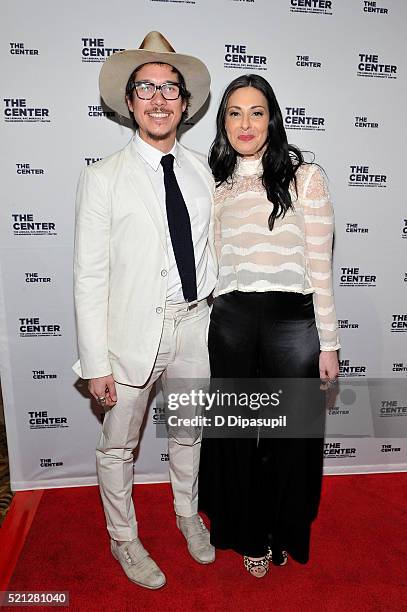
x,y
144,266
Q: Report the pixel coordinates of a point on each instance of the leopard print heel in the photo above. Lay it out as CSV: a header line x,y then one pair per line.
x,y
257,567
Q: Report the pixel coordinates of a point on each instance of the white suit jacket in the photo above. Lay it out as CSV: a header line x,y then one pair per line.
x,y
120,252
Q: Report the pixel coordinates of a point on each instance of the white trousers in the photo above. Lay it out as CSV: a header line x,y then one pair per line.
x,y
182,358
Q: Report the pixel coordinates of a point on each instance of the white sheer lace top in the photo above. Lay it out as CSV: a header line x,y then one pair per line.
x,y
295,256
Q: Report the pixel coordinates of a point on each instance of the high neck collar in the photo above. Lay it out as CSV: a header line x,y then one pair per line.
x,y
246,166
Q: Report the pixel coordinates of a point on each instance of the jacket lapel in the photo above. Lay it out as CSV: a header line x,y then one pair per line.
x,y
200,168
206,174
145,191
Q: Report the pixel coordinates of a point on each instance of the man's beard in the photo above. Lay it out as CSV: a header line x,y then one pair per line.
x,y
158,137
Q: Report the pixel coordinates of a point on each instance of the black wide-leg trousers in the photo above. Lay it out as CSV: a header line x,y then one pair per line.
x,y
262,492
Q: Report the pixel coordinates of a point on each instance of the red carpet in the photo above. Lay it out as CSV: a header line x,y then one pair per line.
x,y
358,559
15,530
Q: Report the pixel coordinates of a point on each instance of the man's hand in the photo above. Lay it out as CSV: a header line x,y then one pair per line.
x,y
103,387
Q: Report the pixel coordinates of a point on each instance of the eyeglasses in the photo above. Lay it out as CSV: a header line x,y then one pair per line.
x,y
146,90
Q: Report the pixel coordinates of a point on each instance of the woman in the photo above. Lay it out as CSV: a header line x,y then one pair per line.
x,y
273,317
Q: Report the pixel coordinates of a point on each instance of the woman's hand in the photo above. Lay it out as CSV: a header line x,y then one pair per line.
x,y
328,365
328,373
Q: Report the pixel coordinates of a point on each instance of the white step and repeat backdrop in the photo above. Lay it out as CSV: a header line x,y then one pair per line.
x,y
339,71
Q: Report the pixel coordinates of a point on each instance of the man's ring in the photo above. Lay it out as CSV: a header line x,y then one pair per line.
x,y
101,400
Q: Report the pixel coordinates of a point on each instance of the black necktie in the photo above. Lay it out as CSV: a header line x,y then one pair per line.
x,y
180,230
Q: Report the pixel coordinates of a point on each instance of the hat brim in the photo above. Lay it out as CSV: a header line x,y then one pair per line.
x,y
118,67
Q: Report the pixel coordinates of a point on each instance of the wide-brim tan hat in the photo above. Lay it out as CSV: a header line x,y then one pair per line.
x,y
155,47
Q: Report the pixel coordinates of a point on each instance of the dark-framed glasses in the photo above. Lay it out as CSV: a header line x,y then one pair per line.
x,y
145,90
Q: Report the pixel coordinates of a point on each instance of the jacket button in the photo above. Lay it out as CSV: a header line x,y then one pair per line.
x,y
164,272
158,310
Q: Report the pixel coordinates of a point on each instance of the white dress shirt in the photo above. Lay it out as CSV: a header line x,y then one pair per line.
x,y
195,194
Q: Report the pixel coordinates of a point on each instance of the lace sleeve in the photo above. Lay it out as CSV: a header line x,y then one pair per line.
x,y
319,226
217,234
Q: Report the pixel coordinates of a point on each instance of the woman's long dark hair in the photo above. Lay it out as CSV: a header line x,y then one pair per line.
x,y
280,160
